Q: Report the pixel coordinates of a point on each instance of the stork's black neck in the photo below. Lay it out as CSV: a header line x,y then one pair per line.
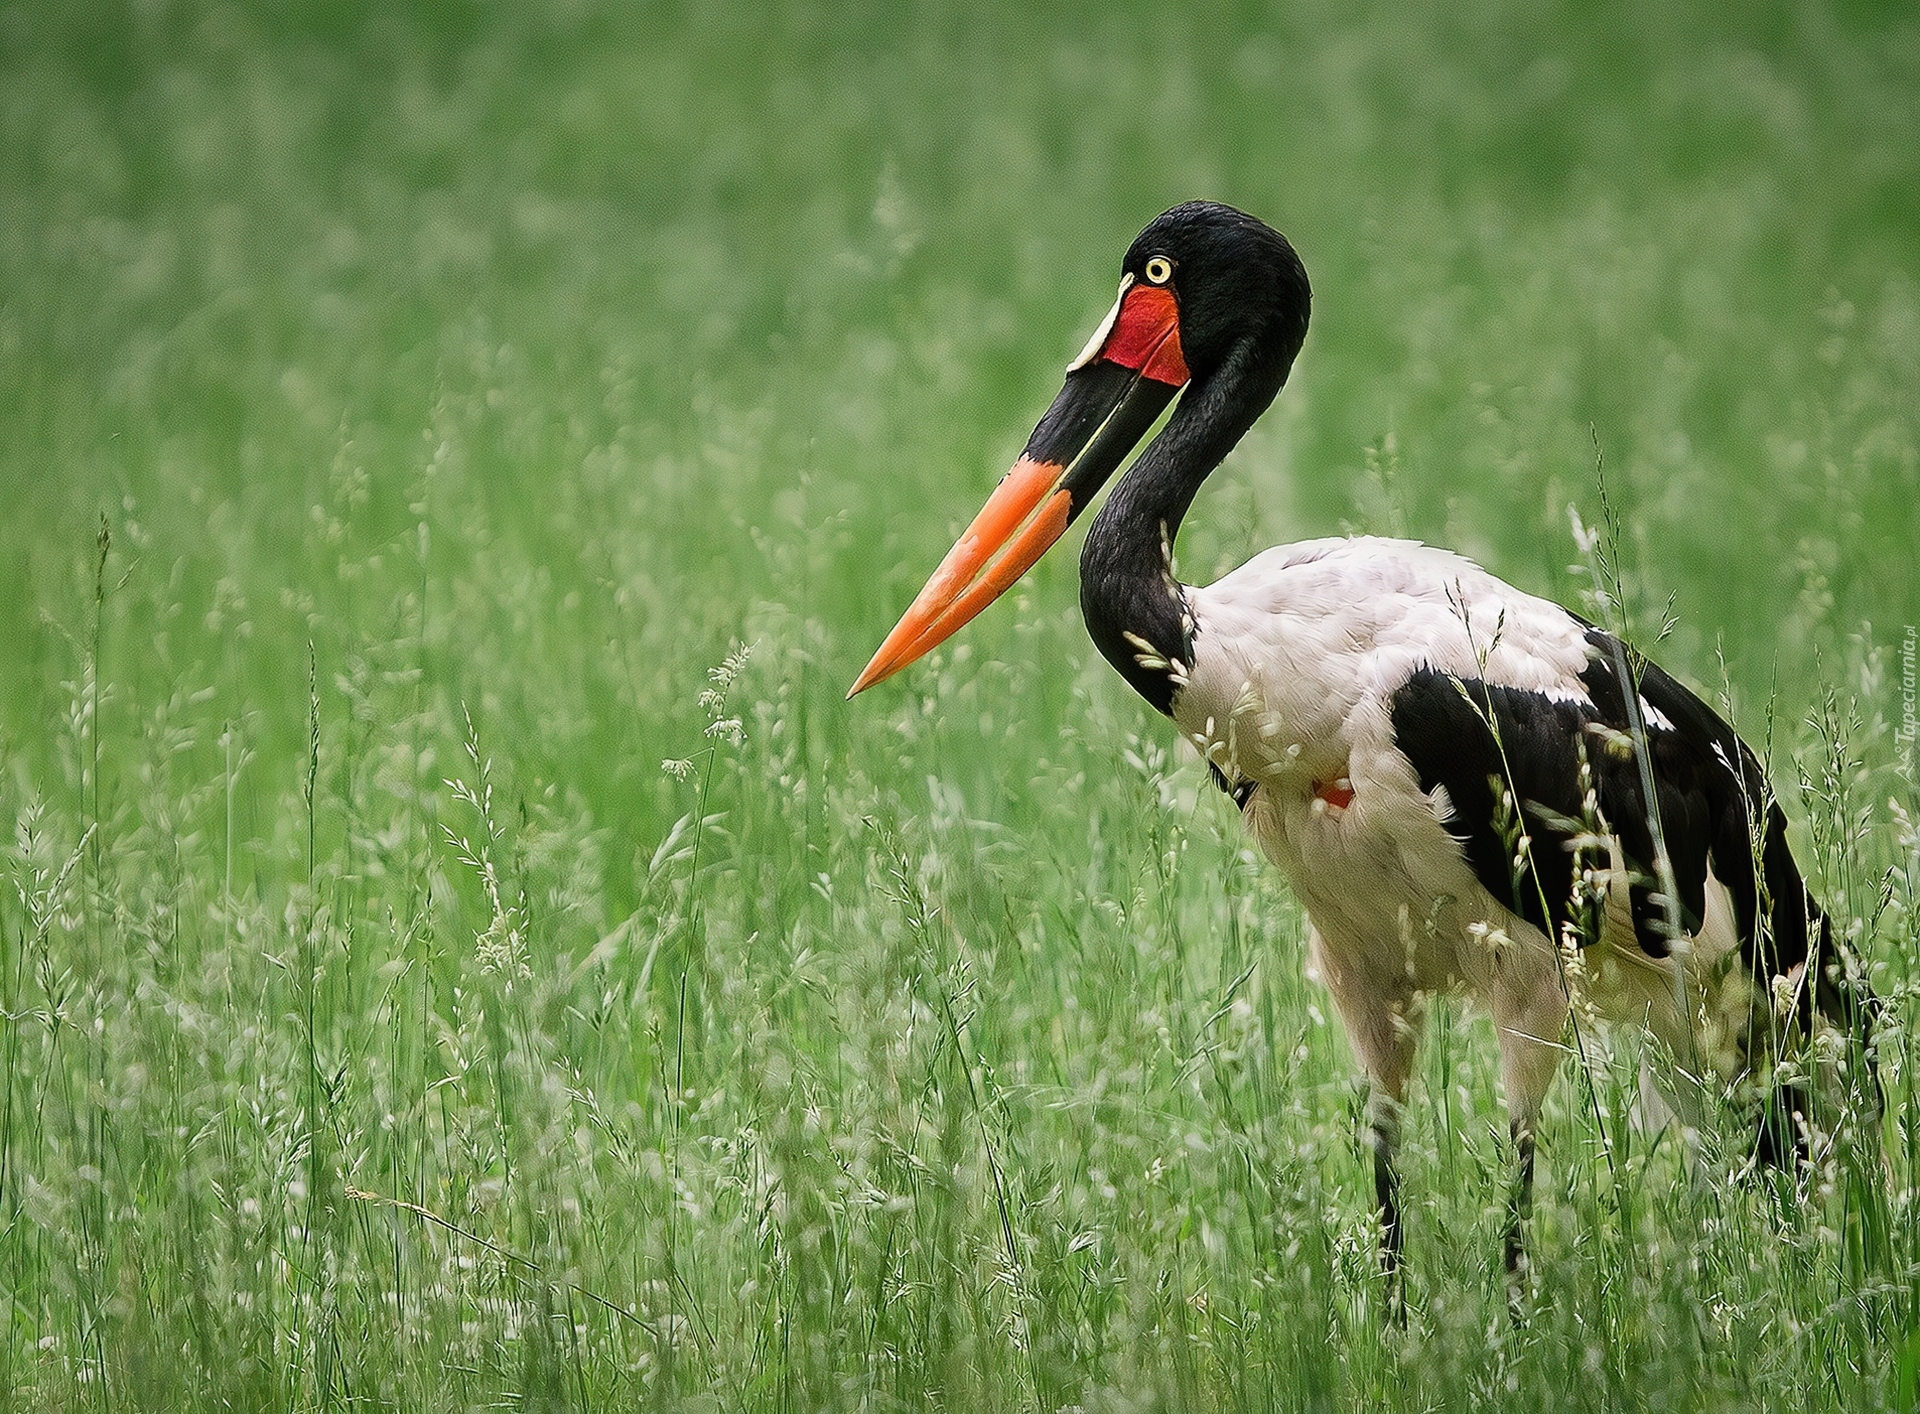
x,y
1136,612
1243,304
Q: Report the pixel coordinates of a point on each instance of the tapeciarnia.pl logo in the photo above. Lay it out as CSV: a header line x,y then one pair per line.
x,y
1904,735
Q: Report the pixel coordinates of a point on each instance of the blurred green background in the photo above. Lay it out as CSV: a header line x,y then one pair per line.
x,y
380,382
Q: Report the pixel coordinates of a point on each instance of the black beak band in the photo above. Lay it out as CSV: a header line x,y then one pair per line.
x,y
1100,415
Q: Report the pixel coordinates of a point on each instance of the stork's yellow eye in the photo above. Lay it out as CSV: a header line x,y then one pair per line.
x,y
1159,270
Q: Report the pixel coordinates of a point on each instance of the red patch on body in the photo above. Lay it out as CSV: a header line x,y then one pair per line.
x,y
1146,336
1336,793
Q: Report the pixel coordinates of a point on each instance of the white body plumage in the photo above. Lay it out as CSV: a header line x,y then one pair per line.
x,y
1297,659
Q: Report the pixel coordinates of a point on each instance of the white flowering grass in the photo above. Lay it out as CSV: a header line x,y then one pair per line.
x,y
441,967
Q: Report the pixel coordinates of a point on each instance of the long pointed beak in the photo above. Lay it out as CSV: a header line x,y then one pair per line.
x,y
1027,512
1114,391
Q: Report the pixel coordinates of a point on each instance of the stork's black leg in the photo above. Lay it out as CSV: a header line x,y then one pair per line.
x,y
1529,1055
1384,1030
1519,1209
1383,1136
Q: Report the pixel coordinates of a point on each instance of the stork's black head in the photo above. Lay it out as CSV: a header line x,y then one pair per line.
x,y
1209,297
1238,284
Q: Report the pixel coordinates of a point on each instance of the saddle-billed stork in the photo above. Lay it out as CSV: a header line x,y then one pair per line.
x,y
1466,786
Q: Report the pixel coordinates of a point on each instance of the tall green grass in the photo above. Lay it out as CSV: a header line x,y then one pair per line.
x,y
458,949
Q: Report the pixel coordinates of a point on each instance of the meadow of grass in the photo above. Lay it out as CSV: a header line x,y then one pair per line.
x,y
459,950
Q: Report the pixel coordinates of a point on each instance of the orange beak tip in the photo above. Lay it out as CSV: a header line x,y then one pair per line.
x,y
1027,512
876,672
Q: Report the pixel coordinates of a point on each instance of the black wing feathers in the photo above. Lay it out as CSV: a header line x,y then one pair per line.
x,y
1710,798
1441,723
